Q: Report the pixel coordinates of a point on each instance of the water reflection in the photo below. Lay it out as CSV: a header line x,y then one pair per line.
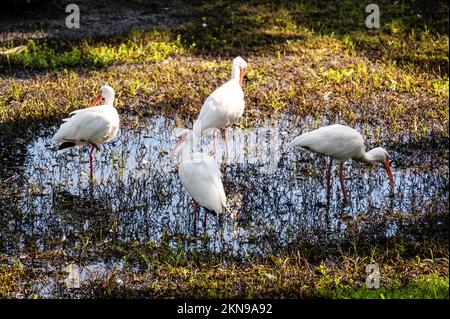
x,y
137,195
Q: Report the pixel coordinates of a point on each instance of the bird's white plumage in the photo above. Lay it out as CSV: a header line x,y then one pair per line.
x,y
342,143
337,141
225,106
98,124
201,178
92,125
222,108
200,175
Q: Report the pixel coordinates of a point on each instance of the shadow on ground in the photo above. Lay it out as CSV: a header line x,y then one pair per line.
x,y
228,29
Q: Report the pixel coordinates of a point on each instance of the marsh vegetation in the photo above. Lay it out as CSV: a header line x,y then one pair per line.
x,y
310,64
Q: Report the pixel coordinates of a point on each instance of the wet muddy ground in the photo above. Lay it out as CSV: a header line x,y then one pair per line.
x,y
276,198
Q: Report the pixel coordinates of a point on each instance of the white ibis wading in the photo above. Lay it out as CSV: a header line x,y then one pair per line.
x,y
200,176
342,143
225,106
92,126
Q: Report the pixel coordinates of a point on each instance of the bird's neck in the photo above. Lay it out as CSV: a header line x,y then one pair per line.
x,y
109,101
235,73
187,149
197,128
366,157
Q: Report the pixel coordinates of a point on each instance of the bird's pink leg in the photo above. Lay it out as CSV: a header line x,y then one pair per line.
x,y
91,160
196,207
329,178
341,179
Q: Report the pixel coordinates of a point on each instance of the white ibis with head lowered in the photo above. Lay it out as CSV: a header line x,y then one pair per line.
x,y
225,106
200,175
92,126
342,143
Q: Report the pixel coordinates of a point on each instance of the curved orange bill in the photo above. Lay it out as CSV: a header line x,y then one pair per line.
x,y
97,100
241,76
387,167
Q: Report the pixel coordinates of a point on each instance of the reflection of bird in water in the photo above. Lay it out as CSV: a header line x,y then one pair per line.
x,y
235,205
235,200
342,143
94,125
200,176
225,106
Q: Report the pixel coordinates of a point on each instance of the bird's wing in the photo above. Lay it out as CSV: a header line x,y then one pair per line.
x,y
222,108
90,125
211,114
203,183
216,177
337,141
87,109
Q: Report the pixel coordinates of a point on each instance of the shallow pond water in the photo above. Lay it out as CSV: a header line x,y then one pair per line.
x,y
276,198
270,192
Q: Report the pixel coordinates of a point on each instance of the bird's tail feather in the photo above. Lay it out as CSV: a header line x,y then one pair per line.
x,y
66,146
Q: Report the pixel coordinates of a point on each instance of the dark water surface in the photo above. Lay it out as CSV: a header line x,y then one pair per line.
x,y
275,198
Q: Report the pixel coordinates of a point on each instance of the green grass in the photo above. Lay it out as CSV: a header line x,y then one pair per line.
x,y
298,52
309,58
139,47
10,278
430,286
162,271
400,100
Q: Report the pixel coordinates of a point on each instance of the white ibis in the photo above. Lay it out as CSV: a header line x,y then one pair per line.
x,y
200,176
341,143
225,106
94,125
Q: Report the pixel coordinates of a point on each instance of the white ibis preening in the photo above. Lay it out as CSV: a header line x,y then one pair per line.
x,y
341,143
94,125
225,106
200,176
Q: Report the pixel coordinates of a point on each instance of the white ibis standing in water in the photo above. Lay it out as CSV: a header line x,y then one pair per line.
x,y
341,143
94,125
200,175
225,106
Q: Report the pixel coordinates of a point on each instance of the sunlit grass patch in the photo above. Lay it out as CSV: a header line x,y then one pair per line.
x,y
175,273
10,278
398,99
136,47
430,286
